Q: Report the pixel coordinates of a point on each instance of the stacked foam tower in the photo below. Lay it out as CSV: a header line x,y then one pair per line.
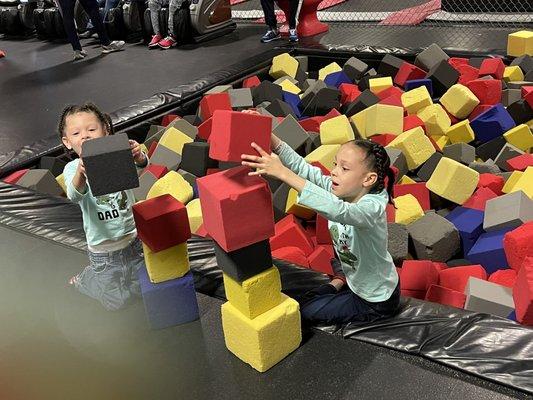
x,y
261,325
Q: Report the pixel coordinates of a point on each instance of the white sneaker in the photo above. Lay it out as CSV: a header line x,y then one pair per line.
x,y
79,54
115,45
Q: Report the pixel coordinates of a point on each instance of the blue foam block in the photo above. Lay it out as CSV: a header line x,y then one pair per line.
x,y
512,316
469,223
195,194
488,251
294,101
169,303
413,84
336,79
492,123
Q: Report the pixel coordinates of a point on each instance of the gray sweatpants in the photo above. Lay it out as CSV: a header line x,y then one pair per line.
x,y
155,6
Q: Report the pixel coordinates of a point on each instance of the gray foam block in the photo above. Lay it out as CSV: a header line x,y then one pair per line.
x,y
397,159
354,68
518,84
241,98
508,211
434,238
504,175
263,111
291,132
219,89
286,77
190,178
312,143
487,167
487,297
426,170
398,244
279,108
185,127
164,156
279,201
154,134
146,181
303,63
109,164
430,57
460,152
55,165
313,89
506,153
42,181
509,96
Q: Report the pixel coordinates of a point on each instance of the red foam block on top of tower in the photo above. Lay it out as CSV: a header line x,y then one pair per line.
x,y
161,222
521,162
251,82
14,177
493,67
167,119
419,190
384,139
467,73
456,278
236,208
320,260
156,170
491,181
456,61
412,121
488,91
479,109
518,244
523,292
479,199
291,254
408,72
419,275
322,231
289,232
349,92
446,296
213,102
233,132
504,277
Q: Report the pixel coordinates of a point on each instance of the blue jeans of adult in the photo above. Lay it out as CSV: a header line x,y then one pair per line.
x,y
108,5
111,278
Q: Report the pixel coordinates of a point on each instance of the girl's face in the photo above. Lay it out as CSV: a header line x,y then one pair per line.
x,y
80,127
350,177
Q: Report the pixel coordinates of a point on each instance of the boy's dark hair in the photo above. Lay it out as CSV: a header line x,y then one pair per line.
x,y
378,161
88,107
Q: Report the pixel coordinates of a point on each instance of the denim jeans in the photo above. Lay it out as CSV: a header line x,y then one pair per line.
x,y
111,278
108,5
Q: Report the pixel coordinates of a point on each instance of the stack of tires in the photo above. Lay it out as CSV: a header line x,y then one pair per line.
x,y
48,21
16,18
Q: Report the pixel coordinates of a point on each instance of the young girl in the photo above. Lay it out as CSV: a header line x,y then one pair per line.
x,y
353,199
115,252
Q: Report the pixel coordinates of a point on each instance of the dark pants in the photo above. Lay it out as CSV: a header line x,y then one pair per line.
x,y
108,5
325,305
270,16
91,8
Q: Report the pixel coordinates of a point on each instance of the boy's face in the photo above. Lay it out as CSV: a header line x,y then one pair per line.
x,y
80,127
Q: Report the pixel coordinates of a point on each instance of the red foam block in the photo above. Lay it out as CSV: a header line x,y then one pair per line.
x,y
204,129
320,260
349,92
391,91
412,121
521,162
156,170
14,177
419,190
491,181
383,139
518,244
456,61
493,67
479,199
416,294
419,275
291,254
467,73
523,292
488,91
446,296
322,231
456,278
213,102
479,109
167,119
251,82
289,232
408,72
504,277
529,98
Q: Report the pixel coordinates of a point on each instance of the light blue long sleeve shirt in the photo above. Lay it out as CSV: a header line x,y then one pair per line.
x,y
358,230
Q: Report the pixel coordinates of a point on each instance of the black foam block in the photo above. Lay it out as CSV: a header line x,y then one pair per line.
x,y
389,65
364,83
279,201
426,170
195,158
54,164
520,111
525,63
355,68
279,108
443,76
364,100
326,99
266,91
491,148
246,262
193,119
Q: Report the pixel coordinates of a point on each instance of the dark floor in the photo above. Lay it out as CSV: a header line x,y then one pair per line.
x,y
58,344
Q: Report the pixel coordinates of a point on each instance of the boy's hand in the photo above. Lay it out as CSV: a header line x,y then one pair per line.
x,y
81,168
265,164
138,155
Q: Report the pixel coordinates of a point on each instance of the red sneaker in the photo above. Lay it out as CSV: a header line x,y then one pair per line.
x,y
168,42
155,41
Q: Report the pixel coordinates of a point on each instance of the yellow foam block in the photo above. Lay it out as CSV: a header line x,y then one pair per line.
x,y
144,149
511,181
415,145
376,85
292,206
520,43
405,180
416,99
174,140
461,132
441,141
328,69
290,87
383,118
436,121
324,154
174,184
525,183
512,74
168,264
358,122
255,295
408,209
336,130
283,65
61,181
459,101
520,136
453,180
265,340
194,212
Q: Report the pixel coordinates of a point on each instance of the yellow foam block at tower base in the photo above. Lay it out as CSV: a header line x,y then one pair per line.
x,y
324,154
520,136
512,74
405,180
265,340
283,65
525,183
441,141
408,209
453,180
174,140
416,99
415,145
383,118
336,130
292,206
328,69
256,295
520,43
194,213
376,85
290,87
459,101
174,184
436,121
461,132
167,264
511,181
61,181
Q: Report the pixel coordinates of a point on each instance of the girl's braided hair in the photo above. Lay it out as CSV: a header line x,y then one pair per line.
x,y
104,118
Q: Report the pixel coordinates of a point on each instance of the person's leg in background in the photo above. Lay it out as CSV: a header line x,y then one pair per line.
x,y
108,46
67,11
155,8
171,40
270,20
294,6
90,31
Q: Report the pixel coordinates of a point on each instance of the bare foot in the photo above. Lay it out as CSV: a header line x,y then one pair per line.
x,y
337,283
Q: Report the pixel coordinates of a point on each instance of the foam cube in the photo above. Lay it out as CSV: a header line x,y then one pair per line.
x,y
493,67
212,102
382,118
507,152
518,244
162,155
510,182
415,83
443,295
288,85
322,231
195,158
251,82
290,233
460,152
461,132
504,277
14,177
453,181
184,127
265,340
325,155
429,166
416,99
266,91
292,206
241,98
492,123
336,79
491,181
328,69
408,209
508,211
230,197
397,244
520,163
336,131
430,57
61,182
354,68
174,184
487,297
520,43
443,76
512,74
42,181
194,213
490,149
520,137
418,275
525,182
292,255
408,72
377,85
459,101
174,140
434,238
456,278
283,65
523,292
479,199
415,145
55,165
245,262
469,223
435,118
363,101
320,260
291,133
167,264
397,160
488,251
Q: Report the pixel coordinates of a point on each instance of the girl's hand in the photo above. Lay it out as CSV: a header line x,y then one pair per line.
x,y
138,155
265,164
81,168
